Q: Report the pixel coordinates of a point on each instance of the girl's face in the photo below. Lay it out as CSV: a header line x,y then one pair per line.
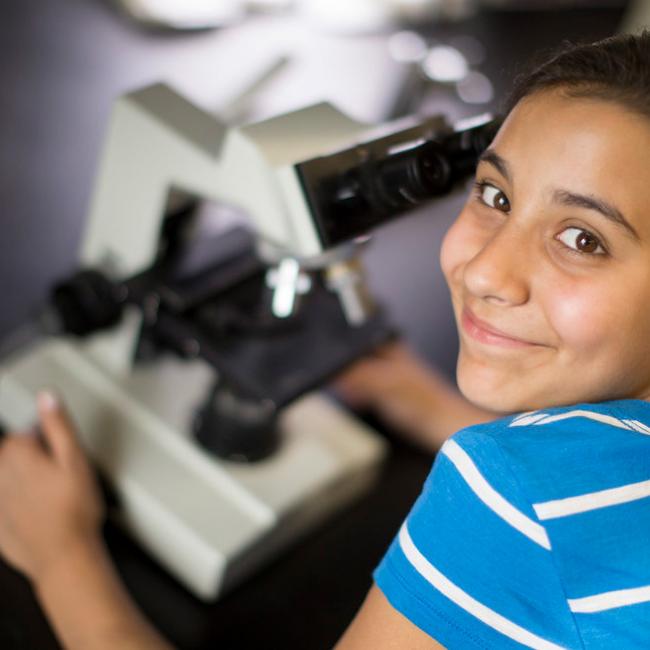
x,y
548,264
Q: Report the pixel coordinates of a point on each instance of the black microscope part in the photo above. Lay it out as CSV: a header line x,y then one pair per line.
x,y
210,299
352,191
87,302
409,178
237,429
222,314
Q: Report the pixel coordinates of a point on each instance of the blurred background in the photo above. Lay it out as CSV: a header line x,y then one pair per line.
x,y
62,64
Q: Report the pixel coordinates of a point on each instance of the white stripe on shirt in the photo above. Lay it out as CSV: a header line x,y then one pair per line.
x,y
609,600
528,418
492,499
525,414
592,500
577,413
461,598
639,426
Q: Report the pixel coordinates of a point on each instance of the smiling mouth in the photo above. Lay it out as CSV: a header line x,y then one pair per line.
x,y
484,333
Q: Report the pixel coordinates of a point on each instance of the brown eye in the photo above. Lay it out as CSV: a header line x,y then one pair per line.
x,y
494,197
501,202
586,242
581,241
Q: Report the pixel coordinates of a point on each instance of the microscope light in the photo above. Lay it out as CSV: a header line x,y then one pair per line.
x,y
475,88
185,14
407,47
445,64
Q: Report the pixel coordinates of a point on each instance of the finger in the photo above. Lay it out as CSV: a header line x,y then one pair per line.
x,y
58,429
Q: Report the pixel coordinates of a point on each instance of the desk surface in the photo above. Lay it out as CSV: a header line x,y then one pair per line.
x,y
62,62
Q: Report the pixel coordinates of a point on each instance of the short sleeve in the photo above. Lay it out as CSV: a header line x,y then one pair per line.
x,y
472,566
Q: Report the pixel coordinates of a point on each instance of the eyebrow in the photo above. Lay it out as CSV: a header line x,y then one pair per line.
x,y
565,197
590,202
493,158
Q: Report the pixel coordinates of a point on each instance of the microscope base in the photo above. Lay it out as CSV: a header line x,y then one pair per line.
x,y
210,522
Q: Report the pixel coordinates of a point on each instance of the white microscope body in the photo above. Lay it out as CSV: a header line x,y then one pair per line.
x,y
309,181
209,522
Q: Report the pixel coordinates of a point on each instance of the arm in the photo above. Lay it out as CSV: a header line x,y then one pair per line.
x,y
409,396
379,626
88,606
50,522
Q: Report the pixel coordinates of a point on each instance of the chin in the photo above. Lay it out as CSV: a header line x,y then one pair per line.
x,y
487,391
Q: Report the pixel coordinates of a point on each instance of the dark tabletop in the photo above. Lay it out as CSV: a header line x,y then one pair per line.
x,y
62,62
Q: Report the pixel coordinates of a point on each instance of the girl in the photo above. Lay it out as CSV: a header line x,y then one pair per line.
x,y
532,530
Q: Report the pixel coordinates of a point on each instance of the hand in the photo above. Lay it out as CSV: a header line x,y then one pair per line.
x,y
50,504
408,395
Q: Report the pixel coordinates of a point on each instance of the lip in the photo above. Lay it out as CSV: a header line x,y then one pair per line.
x,y
485,333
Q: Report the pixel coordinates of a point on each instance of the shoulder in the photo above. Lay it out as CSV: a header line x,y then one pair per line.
x,y
573,420
472,559
524,528
586,471
561,450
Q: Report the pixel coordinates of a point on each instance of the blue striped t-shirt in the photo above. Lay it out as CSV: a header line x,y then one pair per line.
x,y
532,532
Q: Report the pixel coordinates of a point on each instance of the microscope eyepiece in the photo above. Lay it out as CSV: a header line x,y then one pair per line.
x,y
352,191
408,178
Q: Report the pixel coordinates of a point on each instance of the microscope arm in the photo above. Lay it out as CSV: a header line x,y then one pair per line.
x,y
158,141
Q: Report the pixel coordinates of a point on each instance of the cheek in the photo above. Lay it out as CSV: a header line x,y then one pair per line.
x,y
582,320
455,250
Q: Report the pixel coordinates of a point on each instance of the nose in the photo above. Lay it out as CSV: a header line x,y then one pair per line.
x,y
499,271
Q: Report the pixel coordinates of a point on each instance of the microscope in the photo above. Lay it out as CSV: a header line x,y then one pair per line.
x,y
190,358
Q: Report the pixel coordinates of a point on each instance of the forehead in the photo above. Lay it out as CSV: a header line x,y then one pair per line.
x,y
589,146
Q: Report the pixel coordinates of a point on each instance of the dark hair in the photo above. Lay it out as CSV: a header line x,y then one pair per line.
x,y
615,69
